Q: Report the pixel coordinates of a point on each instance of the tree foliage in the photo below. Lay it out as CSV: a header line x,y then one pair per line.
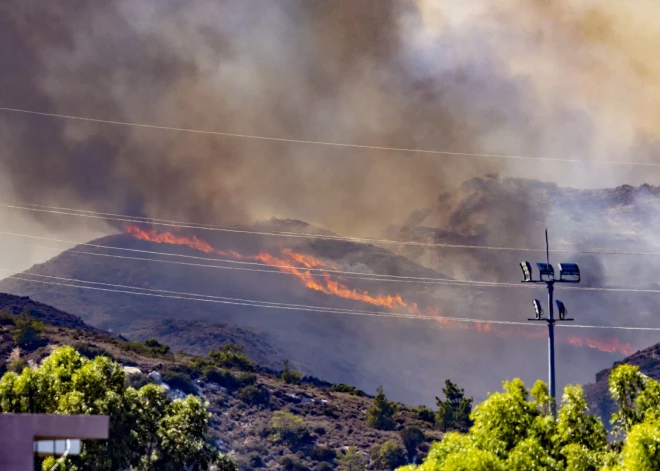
x,y
289,428
454,411
388,455
148,431
411,437
381,414
231,356
513,431
290,376
27,332
351,459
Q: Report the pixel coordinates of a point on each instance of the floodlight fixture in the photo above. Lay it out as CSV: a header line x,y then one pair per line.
x,y
545,269
569,272
538,308
526,268
562,309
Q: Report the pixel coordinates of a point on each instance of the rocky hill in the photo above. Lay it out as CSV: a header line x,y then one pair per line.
x,y
242,399
364,350
600,402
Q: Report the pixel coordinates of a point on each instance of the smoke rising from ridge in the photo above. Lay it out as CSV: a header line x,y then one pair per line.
x,y
425,74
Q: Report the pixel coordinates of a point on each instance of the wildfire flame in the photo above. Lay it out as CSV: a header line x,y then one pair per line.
x,y
298,265
613,344
291,262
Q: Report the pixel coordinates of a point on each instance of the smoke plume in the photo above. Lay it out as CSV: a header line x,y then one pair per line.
x,y
543,78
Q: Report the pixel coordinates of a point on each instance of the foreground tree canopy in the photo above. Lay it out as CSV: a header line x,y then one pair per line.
x,y
148,431
513,431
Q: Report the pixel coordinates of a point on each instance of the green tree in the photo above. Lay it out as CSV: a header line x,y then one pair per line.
x,y
381,414
231,356
290,376
351,459
512,432
642,449
411,437
27,333
289,428
148,431
454,411
388,455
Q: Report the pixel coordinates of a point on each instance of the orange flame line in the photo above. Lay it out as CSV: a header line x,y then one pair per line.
x,y
327,285
330,286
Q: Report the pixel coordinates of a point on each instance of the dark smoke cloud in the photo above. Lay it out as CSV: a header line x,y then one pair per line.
x,y
347,71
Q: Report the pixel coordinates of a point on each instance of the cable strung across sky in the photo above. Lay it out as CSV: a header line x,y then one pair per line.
x,y
126,289
347,274
184,225
327,144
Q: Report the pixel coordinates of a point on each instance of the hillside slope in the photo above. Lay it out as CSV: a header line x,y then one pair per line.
x,y
240,422
336,344
600,402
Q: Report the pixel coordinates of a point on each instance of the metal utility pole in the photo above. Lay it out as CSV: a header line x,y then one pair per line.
x,y
568,273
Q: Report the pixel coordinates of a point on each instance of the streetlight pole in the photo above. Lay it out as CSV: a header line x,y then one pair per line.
x,y
551,329
568,273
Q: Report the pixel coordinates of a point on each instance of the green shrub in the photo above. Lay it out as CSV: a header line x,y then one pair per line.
x,y
330,411
7,319
156,347
323,466
425,414
27,333
289,428
454,411
322,453
223,378
136,381
246,379
345,388
411,437
290,376
177,380
351,460
91,351
150,348
254,396
389,455
231,356
289,463
381,414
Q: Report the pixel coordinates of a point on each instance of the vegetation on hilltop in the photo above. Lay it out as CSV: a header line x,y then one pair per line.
x,y
148,431
261,418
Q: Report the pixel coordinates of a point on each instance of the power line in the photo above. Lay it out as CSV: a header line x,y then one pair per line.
x,y
184,225
274,270
266,233
327,144
238,302
300,307
192,295
385,277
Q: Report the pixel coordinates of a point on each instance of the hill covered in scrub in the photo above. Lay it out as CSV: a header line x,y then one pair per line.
x,y
598,396
259,416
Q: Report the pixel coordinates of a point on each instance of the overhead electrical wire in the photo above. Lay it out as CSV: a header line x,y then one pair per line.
x,y
126,289
325,143
363,240
352,275
265,233
222,260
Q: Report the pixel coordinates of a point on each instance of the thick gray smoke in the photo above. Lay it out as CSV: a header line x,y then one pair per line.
x,y
381,73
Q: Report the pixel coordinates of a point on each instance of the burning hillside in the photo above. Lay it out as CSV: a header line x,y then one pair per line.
x,y
298,265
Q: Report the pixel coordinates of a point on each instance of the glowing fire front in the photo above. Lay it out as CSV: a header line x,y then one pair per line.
x,y
293,263
299,265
